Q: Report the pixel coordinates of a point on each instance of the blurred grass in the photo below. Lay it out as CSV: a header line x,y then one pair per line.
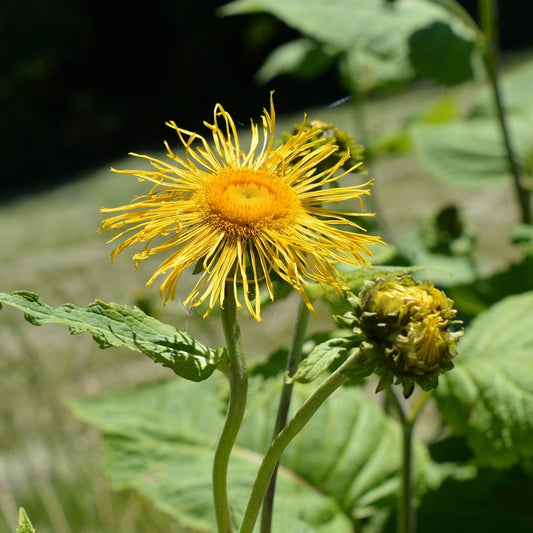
x,y
49,462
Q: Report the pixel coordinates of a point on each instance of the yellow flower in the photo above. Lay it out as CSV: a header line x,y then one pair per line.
x,y
242,215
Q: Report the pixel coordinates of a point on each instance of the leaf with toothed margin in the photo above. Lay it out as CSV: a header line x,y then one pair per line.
x,y
111,324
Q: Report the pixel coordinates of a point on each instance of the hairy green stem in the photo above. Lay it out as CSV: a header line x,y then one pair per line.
x,y
238,382
488,22
293,360
295,425
406,509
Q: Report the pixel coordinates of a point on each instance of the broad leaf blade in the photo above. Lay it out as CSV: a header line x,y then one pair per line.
x,y
303,58
455,54
465,152
111,324
159,441
373,35
488,397
319,360
516,89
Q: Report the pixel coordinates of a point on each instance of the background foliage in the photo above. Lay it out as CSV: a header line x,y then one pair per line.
x,y
475,441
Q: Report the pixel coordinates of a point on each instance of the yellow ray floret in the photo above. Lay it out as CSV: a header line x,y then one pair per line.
x,y
243,215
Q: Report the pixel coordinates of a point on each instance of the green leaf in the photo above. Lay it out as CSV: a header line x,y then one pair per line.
x,y
319,360
111,324
516,87
478,295
465,152
440,54
344,466
488,397
373,35
303,58
470,152
24,525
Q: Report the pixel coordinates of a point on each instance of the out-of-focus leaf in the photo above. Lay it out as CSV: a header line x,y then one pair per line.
x,y
488,397
373,35
111,324
302,58
470,152
462,153
476,296
516,87
344,466
439,54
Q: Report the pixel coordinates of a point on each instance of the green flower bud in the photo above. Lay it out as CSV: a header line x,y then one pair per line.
x,y
408,326
342,139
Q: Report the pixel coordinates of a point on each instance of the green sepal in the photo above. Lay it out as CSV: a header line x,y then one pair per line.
x,y
111,324
24,525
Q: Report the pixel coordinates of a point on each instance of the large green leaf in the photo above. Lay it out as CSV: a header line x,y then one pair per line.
x,y
302,58
516,87
454,52
470,152
342,467
488,397
111,324
373,34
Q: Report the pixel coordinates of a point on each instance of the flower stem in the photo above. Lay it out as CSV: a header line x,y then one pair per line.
x,y
295,425
488,22
293,360
406,510
238,382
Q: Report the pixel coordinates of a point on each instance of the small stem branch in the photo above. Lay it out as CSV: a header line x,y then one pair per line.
x,y
406,509
293,360
488,22
295,425
238,382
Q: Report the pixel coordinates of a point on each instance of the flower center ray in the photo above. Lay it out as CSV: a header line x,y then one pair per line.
x,y
243,201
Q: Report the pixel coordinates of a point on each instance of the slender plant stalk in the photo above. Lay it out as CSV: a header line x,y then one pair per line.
x,y
293,360
488,21
238,382
406,509
295,425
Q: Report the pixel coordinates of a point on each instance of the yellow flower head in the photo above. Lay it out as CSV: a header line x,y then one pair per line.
x,y
243,215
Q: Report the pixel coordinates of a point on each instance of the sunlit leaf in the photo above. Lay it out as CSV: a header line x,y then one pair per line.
x,y
488,397
344,466
320,358
374,36
516,86
470,152
302,58
111,324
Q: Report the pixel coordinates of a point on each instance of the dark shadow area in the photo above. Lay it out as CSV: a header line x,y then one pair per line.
x,y
86,81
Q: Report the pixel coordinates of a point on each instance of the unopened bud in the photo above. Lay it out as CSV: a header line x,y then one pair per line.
x,y
410,327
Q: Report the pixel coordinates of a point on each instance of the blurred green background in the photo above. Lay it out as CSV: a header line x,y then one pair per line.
x,y
82,83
